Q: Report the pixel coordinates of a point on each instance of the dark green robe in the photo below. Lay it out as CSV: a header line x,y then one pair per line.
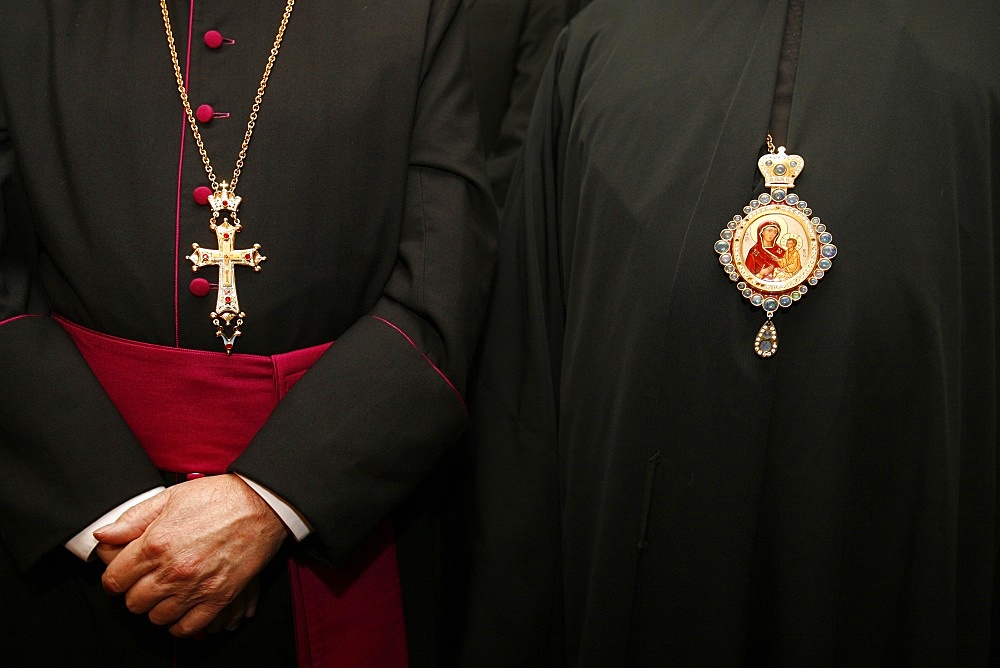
x,y
648,491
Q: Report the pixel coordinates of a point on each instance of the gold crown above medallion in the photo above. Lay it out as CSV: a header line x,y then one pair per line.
x,y
779,169
224,199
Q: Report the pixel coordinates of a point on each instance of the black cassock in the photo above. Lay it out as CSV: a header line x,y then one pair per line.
x,y
364,186
648,491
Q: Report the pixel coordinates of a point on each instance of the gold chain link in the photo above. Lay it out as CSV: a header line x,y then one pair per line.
x,y
770,143
182,89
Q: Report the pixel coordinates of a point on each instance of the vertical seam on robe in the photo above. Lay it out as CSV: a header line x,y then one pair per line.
x,y
180,177
280,383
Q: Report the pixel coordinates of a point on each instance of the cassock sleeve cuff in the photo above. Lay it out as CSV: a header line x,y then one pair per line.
x,y
83,543
295,522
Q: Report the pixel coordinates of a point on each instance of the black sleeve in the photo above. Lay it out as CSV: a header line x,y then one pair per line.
x,y
377,411
66,456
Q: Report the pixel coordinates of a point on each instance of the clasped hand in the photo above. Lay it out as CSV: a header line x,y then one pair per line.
x,y
189,556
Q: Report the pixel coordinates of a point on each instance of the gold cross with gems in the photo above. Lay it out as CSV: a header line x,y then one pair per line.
x,y
227,315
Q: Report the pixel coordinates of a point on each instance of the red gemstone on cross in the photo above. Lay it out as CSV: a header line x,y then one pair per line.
x,y
229,299
225,236
247,256
225,203
204,257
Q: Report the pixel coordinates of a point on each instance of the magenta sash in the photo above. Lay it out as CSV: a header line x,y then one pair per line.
x,y
171,398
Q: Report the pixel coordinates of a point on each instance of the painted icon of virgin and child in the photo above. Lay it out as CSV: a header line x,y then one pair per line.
x,y
768,259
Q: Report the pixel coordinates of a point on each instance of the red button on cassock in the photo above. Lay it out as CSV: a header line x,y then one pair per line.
x,y
213,39
194,476
205,113
201,194
199,287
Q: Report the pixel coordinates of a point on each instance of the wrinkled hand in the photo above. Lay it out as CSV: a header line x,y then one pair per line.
x,y
189,556
243,606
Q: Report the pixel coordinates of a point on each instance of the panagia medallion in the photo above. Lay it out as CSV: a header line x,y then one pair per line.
x,y
776,249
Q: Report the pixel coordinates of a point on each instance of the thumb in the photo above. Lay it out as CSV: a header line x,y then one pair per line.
x,y
133,521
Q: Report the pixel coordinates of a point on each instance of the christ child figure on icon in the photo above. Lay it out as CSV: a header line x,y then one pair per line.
x,y
791,264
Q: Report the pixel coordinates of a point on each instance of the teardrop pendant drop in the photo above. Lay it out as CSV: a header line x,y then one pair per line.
x,y
766,343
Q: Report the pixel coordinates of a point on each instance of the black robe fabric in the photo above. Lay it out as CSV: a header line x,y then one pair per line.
x,y
509,45
365,186
648,491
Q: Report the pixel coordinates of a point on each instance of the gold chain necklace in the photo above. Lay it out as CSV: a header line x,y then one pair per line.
x,y
227,316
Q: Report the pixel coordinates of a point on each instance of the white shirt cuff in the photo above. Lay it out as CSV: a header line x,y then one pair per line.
x,y
83,543
293,520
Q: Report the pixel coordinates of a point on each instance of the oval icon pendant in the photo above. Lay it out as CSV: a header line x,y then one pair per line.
x,y
776,249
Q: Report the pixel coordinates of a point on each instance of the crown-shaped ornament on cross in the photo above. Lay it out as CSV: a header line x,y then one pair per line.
x,y
224,199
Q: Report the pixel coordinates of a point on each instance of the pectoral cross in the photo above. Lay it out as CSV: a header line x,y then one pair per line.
x,y
227,316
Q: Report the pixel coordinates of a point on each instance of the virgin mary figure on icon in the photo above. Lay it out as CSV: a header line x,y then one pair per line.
x,y
765,257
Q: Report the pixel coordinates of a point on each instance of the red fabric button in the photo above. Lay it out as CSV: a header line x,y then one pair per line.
x,y
213,39
201,194
204,113
200,287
